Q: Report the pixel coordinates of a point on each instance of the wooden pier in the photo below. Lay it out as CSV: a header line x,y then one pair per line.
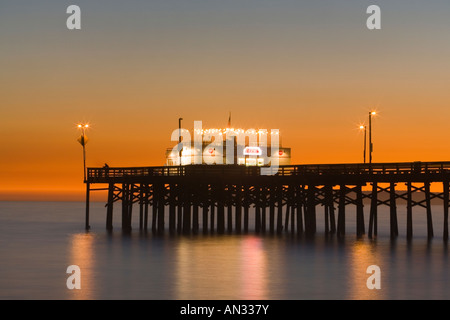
x,y
218,198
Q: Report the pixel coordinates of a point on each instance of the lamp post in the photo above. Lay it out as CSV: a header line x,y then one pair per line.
x,y
179,140
371,113
365,139
83,140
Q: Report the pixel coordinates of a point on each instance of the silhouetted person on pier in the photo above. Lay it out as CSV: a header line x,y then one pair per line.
x,y
106,167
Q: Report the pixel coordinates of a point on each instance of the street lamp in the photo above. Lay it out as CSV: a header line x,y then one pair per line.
x,y
371,113
83,140
179,139
365,139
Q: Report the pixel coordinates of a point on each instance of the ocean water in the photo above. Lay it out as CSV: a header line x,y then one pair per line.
x,y
39,240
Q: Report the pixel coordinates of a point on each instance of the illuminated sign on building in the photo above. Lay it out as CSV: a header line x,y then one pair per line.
x,y
252,151
251,147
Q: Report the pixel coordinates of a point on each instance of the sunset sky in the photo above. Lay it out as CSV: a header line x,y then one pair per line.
x,y
311,69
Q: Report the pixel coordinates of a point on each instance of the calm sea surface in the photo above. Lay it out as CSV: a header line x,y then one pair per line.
x,y
39,240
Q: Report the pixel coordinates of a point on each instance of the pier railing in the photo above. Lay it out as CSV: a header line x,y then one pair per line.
x,y
103,174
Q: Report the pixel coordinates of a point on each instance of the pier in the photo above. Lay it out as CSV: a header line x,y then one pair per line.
x,y
217,198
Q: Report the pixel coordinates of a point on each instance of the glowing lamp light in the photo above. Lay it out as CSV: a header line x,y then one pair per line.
x,y
83,140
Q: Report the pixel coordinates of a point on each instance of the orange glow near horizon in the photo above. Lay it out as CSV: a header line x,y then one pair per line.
x,y
52,170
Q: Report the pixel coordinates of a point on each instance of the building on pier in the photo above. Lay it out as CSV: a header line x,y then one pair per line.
x,y
251,147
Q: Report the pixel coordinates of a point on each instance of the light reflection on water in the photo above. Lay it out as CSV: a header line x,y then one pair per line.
x,y
36,254
82,255
206,269
362,255
252,267
222,268
254,275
